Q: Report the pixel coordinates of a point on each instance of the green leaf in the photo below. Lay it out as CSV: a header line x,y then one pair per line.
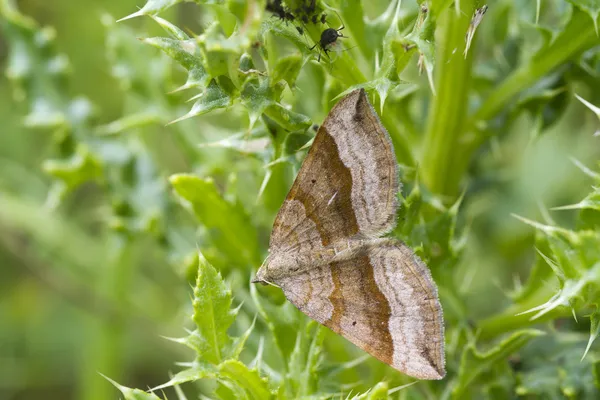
x,y
248,379
228,224
423,37
152,7
81,167
473,362
284,322
257,95
551,367
131,122
378,392
212,98
171,29
133,394
591,201
196,372
305,360
288,119
234,350
590,7
187,53
287,69
212,313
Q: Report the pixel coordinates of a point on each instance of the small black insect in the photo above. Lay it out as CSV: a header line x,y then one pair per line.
x,y
323,18
300,30
328,38
309,8
315,19
277,8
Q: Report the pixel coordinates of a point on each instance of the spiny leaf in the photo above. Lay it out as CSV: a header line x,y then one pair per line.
x,y
248,379
133,394
591,201
257,95
187,54
473,362
305,360
171,29
212,312
196,372
234,350
377,392
551,367
212,98
423,37
152,7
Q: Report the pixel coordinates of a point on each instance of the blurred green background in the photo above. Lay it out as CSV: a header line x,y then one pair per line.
x,y
63,320
97,254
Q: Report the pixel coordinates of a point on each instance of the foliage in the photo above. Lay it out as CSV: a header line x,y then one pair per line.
x,y
174,164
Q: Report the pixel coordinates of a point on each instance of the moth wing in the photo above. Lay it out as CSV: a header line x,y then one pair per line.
x,y
347,185
384,301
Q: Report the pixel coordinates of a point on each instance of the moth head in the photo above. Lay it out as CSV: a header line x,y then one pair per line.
x,y
262,273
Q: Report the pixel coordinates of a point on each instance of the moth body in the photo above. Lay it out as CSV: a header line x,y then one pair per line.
x,y
328,255
293,262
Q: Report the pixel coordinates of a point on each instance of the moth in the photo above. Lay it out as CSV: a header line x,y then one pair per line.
x,y
329,255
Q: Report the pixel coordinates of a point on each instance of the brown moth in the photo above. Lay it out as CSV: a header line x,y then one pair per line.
x,y
328,255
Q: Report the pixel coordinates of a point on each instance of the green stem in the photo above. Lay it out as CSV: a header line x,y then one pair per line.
x,y
511,318
449,145
448,111
508,321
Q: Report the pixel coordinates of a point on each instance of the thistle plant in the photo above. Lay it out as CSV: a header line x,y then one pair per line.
x,y
115,210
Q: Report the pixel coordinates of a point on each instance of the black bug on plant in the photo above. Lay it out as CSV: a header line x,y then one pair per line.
x,y
328,38
307,9
277,8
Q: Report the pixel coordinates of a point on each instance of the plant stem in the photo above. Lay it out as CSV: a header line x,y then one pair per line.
x,y
449,108
508,321
450,145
